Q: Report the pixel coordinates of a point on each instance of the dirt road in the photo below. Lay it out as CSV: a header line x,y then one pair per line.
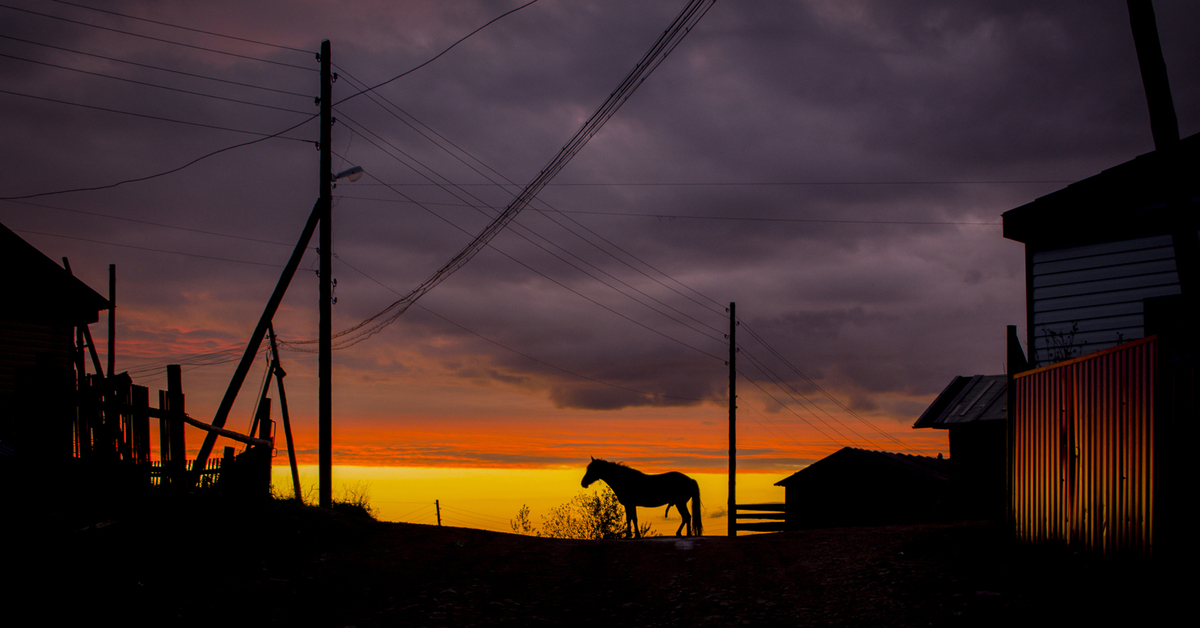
x,y
283,565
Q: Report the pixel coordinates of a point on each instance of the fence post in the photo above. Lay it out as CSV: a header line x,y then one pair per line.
x,y
171,442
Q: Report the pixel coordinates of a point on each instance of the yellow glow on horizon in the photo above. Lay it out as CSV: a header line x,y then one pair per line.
x,y
488,498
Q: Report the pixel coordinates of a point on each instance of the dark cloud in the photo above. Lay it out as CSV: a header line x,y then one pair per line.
x,y
860,136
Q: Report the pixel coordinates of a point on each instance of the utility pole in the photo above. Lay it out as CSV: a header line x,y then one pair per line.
x,y
732,507
325,331
112,319
438,506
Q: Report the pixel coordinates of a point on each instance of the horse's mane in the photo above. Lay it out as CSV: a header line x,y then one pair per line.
x,y
619,467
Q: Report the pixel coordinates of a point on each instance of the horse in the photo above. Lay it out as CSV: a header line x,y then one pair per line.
x,y
634,488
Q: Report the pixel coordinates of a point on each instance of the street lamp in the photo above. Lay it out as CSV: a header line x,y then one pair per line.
x,y
350,174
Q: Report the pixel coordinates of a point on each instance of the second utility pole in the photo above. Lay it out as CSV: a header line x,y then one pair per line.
x,y
732,507
325,327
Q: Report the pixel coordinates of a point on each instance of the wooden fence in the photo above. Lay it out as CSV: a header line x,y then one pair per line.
x,y
766,517
112,426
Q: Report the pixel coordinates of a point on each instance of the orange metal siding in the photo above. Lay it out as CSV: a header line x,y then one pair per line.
x,y
1082,450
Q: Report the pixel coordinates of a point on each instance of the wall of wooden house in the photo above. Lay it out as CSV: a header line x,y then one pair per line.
x,y
1099,289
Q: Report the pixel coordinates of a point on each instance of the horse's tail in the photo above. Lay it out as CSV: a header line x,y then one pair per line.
x,y
668,510
697,525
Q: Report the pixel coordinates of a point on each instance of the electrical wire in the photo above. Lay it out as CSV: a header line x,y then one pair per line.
x,y
152,224
154,117
651,60
186,28
244,144
164,172
438,55
155,67
506,347
521,232
835,400
156,86
146,248
400,114
157,39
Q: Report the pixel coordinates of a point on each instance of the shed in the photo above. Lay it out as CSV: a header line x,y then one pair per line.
x,y
37,345
973,410
856,487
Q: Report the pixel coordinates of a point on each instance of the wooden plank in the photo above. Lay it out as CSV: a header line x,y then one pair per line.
x,y
769,507
775,516
761,527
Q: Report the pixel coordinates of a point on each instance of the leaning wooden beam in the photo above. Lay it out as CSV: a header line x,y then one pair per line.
x,y
256,338
217,431
277,369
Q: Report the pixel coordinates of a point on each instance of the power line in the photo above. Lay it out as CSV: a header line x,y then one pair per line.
x,y
152,224
503,346
146,248
157,39
798,220
841,405
154,67
154,85
186,28
778,183
396,110
666,43
164,172
520,230
694,217
159,118
438,55
244,144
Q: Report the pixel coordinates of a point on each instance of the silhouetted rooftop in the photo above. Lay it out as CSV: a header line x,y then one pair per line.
x,y
968,400
43,291
924,466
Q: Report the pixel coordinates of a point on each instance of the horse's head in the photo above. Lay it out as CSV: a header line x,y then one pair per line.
x,y
593,472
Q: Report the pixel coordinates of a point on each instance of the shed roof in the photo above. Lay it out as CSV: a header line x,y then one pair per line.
x,y
46,292
1140,192
839,462
968,400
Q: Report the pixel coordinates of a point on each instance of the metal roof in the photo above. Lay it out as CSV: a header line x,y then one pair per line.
x,y
968,400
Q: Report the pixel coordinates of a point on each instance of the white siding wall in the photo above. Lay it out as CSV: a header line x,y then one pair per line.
x,y
1100,288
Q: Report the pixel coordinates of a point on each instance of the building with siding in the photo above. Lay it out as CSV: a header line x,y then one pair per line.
x,y
1098,249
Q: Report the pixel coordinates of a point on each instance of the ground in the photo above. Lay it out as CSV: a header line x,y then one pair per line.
x,y
179,563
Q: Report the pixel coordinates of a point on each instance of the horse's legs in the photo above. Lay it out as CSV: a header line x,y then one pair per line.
x,y
631,520
686,516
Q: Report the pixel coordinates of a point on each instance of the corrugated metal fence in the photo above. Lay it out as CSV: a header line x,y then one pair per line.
x,y
1083,452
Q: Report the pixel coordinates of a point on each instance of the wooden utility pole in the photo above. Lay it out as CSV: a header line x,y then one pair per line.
x,y
325,331
732,422
112,319
437,505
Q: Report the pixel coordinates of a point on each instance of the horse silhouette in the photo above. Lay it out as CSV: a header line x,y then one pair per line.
x,y
634,488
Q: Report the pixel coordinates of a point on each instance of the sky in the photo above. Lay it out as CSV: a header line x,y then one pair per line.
x,y
835,168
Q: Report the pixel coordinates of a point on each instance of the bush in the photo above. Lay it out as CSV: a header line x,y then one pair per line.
x,y
596,515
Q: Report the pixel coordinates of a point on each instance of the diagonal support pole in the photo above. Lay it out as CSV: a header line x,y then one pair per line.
x,y
277,369
239,376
